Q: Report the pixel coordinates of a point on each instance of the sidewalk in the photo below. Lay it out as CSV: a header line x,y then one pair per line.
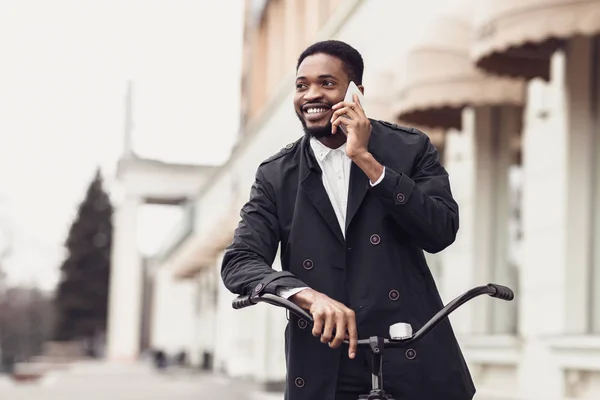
x,y
99,381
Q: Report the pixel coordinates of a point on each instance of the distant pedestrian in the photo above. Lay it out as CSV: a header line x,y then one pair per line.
x,y
160,359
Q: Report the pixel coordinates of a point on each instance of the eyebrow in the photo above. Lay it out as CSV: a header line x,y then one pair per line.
x,y
324,76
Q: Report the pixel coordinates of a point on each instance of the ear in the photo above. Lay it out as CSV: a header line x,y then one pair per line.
x,y
361,88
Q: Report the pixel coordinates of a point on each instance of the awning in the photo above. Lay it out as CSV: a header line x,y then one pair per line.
x,y
440,78
518,37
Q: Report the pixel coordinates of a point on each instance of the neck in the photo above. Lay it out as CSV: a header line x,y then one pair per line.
x,y
335,141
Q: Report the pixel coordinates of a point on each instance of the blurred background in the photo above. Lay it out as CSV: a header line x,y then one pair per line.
x,y
130,134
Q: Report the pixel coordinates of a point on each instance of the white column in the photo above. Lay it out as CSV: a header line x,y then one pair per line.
x,y
493,129
542,293
580,182
506,125
206,311
544,206
457,264
125,300
226,327
557,198
556,208
595,287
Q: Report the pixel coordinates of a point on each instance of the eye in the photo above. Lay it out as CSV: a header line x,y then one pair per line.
x,y
328,83
300,86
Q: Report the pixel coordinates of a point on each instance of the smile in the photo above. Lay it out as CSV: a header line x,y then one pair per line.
x,y
316,113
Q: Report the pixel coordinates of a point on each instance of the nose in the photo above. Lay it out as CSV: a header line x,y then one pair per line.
x,y
313,93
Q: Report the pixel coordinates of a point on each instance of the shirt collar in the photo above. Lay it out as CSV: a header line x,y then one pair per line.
x,y
321,151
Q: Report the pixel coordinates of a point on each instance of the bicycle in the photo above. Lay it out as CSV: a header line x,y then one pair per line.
x,y
400,333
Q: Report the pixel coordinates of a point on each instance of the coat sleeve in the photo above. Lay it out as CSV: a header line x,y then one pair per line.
x,y
422,204
248,259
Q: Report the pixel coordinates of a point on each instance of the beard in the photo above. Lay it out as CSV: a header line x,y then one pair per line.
x,y
318,132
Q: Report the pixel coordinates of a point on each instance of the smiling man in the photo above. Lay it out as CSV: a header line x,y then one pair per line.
x,y
352,214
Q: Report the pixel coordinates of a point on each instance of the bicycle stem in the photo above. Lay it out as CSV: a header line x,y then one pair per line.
x,y
377,345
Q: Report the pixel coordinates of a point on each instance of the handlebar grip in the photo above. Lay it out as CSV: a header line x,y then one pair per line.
x,y
502,292
241,302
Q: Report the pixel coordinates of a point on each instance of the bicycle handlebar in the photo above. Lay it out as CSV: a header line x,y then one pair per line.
x,y
491,289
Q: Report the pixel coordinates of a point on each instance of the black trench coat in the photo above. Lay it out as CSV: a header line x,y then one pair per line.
x,y
378,270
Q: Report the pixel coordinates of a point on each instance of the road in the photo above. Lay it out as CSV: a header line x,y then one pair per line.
x,y
131,382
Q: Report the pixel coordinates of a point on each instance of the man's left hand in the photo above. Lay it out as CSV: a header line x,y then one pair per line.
x,y
358,126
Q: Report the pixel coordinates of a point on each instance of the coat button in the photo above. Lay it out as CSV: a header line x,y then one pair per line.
x,y
375,239
258,288
302,324
394,295
411,354
400,197
308,264
289,145
299,382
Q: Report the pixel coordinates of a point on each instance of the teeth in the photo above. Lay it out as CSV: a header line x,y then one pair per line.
x,y
315,110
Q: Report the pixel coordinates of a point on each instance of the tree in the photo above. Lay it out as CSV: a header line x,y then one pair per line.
x,y
82,293
26,319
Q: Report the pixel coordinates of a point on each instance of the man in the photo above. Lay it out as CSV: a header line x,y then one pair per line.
x,y
352,213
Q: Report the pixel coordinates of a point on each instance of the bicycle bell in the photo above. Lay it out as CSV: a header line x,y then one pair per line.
x,y
400,331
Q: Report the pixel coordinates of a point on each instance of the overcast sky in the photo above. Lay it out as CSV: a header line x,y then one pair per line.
x,y
64,67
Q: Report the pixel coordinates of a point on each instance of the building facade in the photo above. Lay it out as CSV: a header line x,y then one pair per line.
x,y
509,92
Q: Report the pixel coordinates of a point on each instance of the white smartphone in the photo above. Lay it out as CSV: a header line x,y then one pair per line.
x,y
352,89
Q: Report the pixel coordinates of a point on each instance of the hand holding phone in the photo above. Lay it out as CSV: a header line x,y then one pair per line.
x,y
350,92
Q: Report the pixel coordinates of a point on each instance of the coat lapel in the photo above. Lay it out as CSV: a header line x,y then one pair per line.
x,y
359,182
356,193
312,184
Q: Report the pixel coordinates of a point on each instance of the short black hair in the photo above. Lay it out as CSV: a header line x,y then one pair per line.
x,y
350,57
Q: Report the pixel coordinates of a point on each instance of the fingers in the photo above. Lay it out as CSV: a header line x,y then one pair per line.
x,y
357,101
346,113
352,332
329,325
340,328
319,320
349,112
343,116
346,110
329,315
355,106
338,122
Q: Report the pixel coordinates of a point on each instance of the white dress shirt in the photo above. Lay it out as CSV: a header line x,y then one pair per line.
x,y
335,165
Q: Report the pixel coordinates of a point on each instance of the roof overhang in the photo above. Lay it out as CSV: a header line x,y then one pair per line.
x,y
518,37
441,80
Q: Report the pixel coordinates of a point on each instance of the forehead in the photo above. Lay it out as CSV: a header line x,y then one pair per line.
x,y
321,64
